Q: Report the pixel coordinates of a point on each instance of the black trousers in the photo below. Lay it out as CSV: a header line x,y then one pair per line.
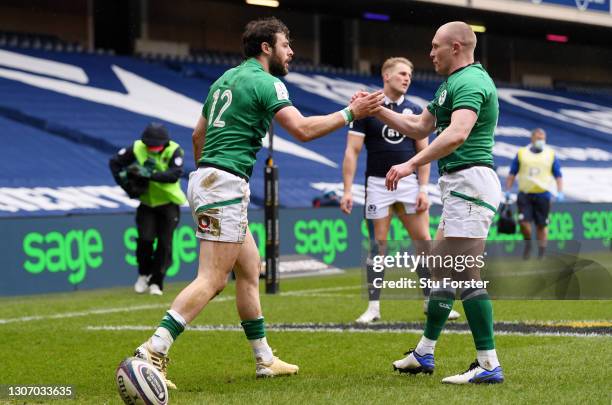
x,y
155,223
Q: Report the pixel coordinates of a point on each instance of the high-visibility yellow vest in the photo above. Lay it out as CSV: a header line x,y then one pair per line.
x,y
159,193
535,170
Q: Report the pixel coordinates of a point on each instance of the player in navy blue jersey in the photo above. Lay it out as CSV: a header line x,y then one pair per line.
x,y
387,147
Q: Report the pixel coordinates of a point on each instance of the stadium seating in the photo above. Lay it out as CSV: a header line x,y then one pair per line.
x,y
62,120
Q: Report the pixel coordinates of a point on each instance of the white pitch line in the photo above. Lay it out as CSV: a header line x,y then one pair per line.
x,y
318,290
81,313
319,295
103,311
313,329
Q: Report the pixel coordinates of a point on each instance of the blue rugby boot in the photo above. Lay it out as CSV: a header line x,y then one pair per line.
x,y
414,363
476,374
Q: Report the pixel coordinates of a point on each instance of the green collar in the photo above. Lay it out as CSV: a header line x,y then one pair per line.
x,y
476,64
253,62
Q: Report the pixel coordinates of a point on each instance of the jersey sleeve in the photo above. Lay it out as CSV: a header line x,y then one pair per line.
x,y
433,104
206,106
556,168
468,95
121,160
514,167
431,107
357,127
273,95
174,171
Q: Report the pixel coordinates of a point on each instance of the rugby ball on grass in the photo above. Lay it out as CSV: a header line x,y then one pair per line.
x,y
139,383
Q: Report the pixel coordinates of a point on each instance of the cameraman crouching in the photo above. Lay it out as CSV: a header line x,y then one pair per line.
x,y
150,170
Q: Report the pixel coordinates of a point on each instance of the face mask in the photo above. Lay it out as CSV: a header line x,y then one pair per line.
x,y
155,149
539,144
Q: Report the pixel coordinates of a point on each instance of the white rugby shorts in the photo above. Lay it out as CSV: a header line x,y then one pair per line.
x,y
379,199
470,199
219,202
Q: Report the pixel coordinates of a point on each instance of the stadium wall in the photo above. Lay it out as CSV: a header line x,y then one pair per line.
x,y
588,63
214,25
64,253
206,25
66,19
410,41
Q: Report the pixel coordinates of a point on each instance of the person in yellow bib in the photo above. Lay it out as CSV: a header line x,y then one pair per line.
x,y
537,170
150,170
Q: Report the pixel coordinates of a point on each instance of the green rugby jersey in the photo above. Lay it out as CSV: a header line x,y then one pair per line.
x,y
238,109
471,88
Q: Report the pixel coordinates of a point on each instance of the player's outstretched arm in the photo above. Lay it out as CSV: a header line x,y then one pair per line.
x,y
308,128
198,137
413,126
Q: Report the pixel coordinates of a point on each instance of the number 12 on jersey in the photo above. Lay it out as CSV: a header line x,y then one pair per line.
x,y
226,98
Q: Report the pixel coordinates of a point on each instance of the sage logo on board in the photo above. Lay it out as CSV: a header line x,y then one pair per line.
x,y
75,252
327,237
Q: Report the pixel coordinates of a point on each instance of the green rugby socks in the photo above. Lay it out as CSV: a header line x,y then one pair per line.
x,y
255,332
170,327
254,329
440,305
479,312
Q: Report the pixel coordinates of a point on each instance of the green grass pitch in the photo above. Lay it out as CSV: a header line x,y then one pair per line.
x,y
59,339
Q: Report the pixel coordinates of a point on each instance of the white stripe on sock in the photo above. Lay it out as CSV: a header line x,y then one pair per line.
x,y
177,317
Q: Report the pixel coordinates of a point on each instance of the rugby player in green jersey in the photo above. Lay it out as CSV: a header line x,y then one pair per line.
x,y
464,114
227,136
